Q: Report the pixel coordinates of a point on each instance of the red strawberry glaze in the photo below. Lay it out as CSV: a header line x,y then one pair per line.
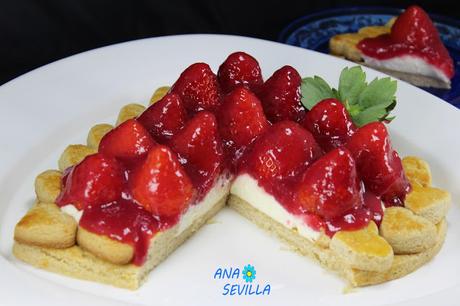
x,y
413,34
330,123
103,189
353,220
200,151
123,221
274,163
240,69
96,179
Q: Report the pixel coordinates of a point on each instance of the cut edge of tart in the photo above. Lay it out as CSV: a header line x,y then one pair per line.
x,y
411,53
116,226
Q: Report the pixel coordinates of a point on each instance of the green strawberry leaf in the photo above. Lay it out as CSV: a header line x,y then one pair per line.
x,y
371,114
315,89
379,91
365,102
351,83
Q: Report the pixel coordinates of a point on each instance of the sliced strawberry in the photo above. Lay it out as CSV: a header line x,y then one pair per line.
x,y
280,96
330,186
164,118
161,185
128,142
240,69
241,120
379,166
97,179
330,124
200,150
198,88
284,151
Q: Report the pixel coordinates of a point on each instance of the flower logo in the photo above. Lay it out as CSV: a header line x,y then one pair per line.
x,y
249,273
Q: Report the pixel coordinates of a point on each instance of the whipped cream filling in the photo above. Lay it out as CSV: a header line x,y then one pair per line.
x,y
72,211
220,189
249,190
409,64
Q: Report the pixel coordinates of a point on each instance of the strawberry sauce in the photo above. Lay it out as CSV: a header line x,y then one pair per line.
x,y
123,221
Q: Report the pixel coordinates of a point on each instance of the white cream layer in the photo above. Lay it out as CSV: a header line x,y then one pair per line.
x,y
220,189
72,211
409,64
247,188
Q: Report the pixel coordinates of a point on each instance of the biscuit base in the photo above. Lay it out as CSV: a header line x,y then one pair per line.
x,y
78,263
401,266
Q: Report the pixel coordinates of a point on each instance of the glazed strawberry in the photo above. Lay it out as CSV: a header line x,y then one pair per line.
x,y
161,185
284,151
240,69
98,179
280,96
241,120
330,186
198,88
164,118
412,34
200,151
330,124
127,142
414,27
379,166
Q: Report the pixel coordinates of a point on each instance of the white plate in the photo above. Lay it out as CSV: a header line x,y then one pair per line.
x,y
46,109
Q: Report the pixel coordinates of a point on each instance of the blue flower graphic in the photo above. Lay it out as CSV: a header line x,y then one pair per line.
x,y
249,273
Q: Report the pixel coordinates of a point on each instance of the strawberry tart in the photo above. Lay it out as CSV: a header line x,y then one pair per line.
x,y
312,164
409,48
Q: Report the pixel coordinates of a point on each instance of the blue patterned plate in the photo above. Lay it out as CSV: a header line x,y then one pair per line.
x,y
314,31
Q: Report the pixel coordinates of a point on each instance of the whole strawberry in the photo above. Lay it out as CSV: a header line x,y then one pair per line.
x,y
241,120
198,88
240,69
160,184
164,118
97,179
379,166
280,96
330,186
128,142
285,150
200,150
330,124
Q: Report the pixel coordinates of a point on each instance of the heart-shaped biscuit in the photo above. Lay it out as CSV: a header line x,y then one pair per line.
x,y
417,171
74,154
159,93
104,247
363,249
46,225
129,111
48,186
406,232
96,133
428,202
